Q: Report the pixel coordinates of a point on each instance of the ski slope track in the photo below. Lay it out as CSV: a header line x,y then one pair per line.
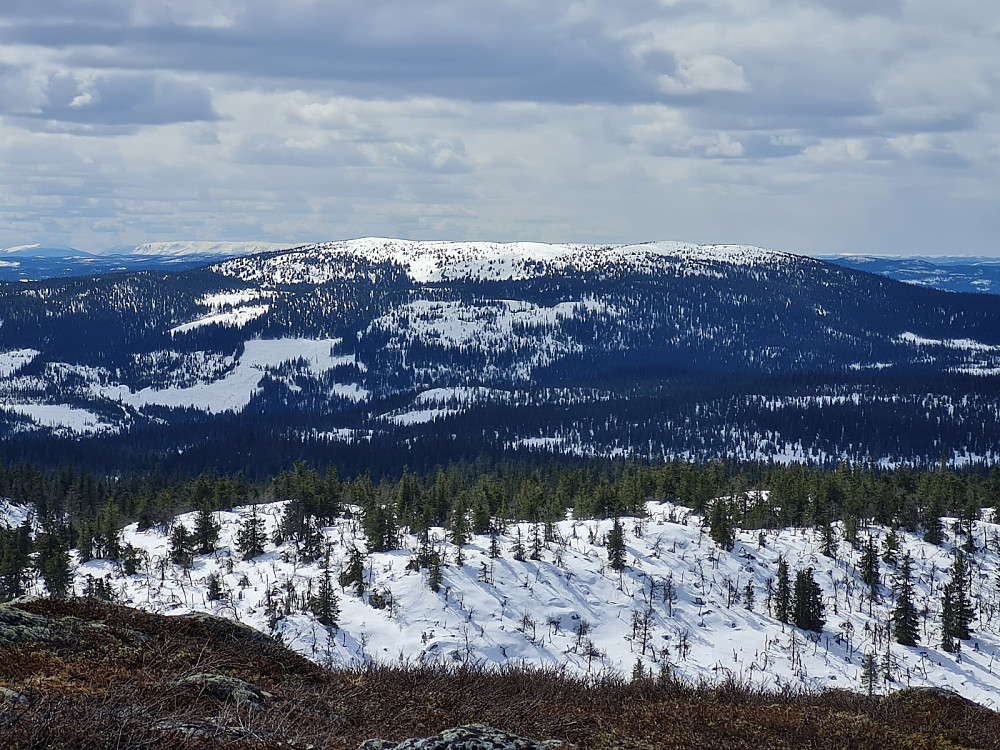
x,y
569,610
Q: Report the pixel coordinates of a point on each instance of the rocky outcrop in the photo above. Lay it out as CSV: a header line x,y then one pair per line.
x,y
468,737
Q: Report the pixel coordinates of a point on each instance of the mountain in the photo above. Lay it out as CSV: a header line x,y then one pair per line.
x,y
36,262
60,252
425,351
949,273
206,249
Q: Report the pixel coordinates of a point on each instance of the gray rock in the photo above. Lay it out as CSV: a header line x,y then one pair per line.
x,y
12,698
468,737
226,689
18,626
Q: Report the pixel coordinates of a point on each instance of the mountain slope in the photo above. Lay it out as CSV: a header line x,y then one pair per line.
x,y
661,349
108,677
679,605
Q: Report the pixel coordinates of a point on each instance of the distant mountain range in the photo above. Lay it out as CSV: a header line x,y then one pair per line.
x,y
399,351
974,275
38,262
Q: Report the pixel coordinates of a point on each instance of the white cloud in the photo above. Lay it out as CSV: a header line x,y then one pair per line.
x,y
802,125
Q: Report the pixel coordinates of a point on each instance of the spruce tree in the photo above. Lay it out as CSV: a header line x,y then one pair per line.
x,y
517,549
722,527
868,567
435,575
250,538
52,559
354,573
181,546
616,546
323,605
869,673
15,560
807,602
904,614
933,528
215,592
957,612
890,548
495,551
783,593
206,531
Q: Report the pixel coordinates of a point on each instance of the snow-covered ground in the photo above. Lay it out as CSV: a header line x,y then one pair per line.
x,y
64,419
428,262
13,515
569,610
237,387
12,361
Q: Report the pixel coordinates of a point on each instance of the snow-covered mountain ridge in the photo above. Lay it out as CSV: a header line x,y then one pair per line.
x,y
686,350
429,262
680,604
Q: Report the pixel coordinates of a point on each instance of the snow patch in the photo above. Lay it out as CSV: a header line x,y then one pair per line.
x,y
14,360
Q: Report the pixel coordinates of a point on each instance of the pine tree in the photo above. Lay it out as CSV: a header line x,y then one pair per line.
x,y
807,602
957,612
616,546
904,614
749,595
250,538
783,593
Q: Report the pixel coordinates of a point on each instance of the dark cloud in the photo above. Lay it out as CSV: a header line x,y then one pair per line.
x,y
122,99
497,52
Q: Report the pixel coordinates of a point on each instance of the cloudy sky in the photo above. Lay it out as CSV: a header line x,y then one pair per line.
x,y
804,125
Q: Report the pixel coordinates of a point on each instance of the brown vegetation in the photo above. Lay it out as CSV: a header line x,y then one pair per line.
x,y
113,677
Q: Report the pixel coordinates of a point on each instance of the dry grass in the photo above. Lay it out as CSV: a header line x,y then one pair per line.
x,y
113,686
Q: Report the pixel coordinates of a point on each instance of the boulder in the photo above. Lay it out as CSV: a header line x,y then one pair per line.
x,y
226,689
468,737
18,626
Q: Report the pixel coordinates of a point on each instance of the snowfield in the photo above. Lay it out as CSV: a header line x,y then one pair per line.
x,y
430,262
569,610
236,389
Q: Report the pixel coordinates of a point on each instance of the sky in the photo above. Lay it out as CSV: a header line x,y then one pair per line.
x,y
811,126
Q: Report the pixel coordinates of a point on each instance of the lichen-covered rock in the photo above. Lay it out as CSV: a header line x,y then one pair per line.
x,y
18,626
226,689
468,737
10,697
192,729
